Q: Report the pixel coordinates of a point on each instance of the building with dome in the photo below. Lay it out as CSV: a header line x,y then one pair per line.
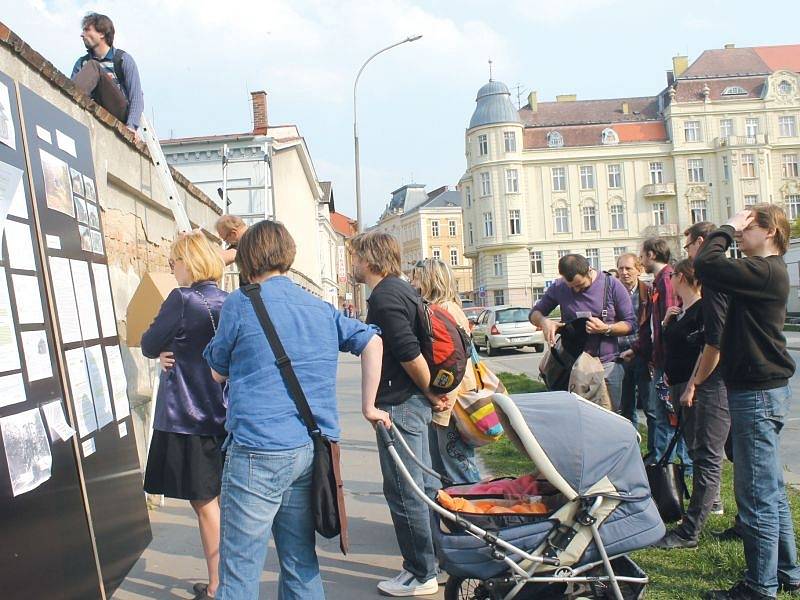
x,y
597,177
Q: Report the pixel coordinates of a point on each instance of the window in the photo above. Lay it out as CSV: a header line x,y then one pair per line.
x,y
619,251
559,179
734,90
468,194
514,222
593,256
563,253
555,140
790,165
589,218
784,87
793,203
728,207
787,127
617,214
726,169
609,136
470,234
510,141
750,200
691,131
725,128
512,181
733,250
748,165
537,268
614,176
435,228
486,184
698,211
562,220
695,169
587,177
454,257
499,297
483,145
488,225
659,213
437,253
497,261
451,228
751,127
656,172
537,294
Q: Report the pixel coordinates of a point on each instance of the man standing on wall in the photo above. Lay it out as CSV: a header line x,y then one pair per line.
x,y
108,74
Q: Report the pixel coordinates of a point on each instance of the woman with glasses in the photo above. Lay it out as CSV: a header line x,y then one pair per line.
x,y
185,457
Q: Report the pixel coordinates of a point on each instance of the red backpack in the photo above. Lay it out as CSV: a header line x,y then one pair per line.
x,y
444,345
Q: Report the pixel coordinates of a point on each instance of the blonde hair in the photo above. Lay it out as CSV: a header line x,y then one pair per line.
x,y
436,281
380,250
201,259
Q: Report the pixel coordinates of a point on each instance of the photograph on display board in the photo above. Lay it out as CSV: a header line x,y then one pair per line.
x,y
57,185
88,188
81,213
7,133
77,181
97,242
86,238
27,450
94,216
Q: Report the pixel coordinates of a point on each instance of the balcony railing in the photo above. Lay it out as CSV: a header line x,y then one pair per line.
x,y
654,190
670,229
734,141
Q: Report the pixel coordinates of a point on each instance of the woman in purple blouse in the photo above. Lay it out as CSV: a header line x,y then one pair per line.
x,y
185,458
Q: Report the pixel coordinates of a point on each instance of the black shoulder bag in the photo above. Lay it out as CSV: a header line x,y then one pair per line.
x,y
327,500
667,483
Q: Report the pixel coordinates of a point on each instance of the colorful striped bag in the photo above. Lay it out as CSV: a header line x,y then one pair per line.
x,y
474,411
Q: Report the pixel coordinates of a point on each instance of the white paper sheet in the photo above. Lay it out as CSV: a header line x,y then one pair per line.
x,y
81,391
36,350
57,185
119,385
84,298
66,143
9,353
27,450
88,447
20,246
12,390
57,422
10,188
97,377
123,429
19,208
7,131
29,299
66,308
105,305
43,134
53,242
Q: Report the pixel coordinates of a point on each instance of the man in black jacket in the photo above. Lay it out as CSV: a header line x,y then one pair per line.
x,y
404,396
756,369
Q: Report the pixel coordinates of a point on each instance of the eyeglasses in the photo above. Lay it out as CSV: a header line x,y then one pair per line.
x,y
692,243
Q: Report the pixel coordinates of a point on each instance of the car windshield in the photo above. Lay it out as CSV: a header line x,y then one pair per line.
x,y
512,315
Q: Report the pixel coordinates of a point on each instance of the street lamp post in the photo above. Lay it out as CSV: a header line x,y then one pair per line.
x,y
359,216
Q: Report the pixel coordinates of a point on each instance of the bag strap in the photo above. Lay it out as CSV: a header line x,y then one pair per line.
x,y
208,308
283,362
119,56
607,298
664,460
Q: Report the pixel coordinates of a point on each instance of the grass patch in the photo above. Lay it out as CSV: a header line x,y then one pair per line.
x,y
674,574
791,327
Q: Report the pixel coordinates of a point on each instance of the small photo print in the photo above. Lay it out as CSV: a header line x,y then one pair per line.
x,y
86,238
80,210
88,186
97,242
77,181
94,217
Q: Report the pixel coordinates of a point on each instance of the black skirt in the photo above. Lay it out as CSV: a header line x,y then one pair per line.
x,y
184,466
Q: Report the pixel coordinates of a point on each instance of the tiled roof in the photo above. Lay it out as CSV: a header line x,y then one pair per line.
x,y
343,224
590,135
691,90
585,112
729,62
780,57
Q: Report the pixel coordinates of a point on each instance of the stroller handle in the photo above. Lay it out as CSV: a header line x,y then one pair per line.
x,y
386,437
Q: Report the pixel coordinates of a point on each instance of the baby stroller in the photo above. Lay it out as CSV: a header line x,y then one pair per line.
x,y
591,480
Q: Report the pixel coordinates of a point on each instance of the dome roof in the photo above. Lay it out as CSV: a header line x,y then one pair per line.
x,y
494,106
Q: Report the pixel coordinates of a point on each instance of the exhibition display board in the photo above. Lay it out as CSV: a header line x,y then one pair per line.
x,y
71,500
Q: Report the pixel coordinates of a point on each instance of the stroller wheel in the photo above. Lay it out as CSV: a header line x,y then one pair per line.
x,y
458,588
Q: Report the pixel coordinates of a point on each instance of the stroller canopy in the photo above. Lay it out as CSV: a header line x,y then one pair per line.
x,y
580,448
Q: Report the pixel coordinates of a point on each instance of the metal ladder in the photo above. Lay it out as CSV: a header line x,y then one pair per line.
x,y
266,158
148,135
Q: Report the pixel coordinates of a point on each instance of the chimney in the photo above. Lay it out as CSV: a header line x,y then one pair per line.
x,y
259,112
626,108
533,102
566,98
679,65
729,46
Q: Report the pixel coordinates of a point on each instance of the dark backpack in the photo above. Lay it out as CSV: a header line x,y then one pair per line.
x,y
444,345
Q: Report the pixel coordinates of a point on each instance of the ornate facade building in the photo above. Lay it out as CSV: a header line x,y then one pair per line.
x,y
597,177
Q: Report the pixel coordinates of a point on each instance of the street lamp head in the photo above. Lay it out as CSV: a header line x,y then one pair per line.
x,y
413,38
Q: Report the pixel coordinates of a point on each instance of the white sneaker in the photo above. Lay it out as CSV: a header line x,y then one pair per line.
x,y
406,584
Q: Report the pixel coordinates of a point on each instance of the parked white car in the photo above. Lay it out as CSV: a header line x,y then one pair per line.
x,y
506,327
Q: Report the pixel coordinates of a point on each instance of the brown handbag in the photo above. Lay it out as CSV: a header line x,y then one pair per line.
x,y
327,500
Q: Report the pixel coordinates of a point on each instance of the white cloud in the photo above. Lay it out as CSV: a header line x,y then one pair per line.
x,y
560,11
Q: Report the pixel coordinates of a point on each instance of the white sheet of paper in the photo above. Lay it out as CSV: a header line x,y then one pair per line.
x,y
97,377
43,134
20,246
88,447
105,304
27,450
29,299
81,391
10,188
36,350
66,143
12,390
84,298
9,352
123,429
53,242
66,308
7,130
119,385
56,421
19,208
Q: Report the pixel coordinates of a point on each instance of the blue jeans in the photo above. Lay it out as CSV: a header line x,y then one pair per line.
x,y
663,429
410,514
265,491
450,456
614,374
766,524
635,390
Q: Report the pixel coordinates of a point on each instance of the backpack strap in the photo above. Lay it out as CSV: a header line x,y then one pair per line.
x,y
607,297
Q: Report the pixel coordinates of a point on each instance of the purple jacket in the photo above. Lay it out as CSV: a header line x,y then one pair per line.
x,y
189,400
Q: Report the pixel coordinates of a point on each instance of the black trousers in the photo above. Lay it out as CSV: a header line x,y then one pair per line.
x,y
95,82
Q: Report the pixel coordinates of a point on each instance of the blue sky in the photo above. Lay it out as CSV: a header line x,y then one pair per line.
x,y
200,58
